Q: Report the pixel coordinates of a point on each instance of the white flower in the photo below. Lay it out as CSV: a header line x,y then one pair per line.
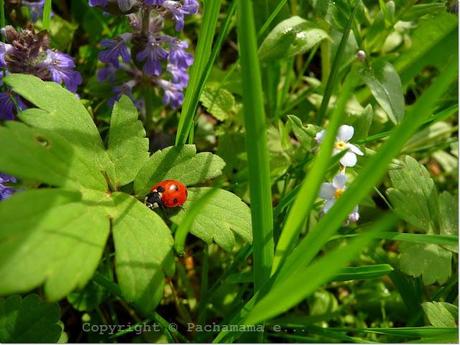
x,y
344,135
332,191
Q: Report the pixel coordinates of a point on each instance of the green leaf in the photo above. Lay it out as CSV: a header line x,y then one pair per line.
x,y
291,37
433,42
180,163
128,147
29,320
303,133
219,102
44,156
363,122
430,261
414,195
222,217
51,237
363,272
87,299
60,111
143,252
441,314
385,85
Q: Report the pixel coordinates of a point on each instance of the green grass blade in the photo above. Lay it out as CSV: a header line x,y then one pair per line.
x,y
310,187
256,140
263,30
332,79
185,225
200,69
370,175
2,14
363,272
290,291
47,14
415,238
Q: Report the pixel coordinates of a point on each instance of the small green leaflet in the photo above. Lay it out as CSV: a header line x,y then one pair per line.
x,y
222,217
179,163
29,320
291,37
220,103
441,314
385,85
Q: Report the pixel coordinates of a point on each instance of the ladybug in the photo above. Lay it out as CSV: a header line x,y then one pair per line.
x,y
166,194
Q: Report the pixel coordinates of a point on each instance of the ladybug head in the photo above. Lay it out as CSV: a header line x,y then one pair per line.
x,y
153,199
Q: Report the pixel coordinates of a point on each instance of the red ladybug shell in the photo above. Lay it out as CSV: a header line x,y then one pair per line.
x,y
172,193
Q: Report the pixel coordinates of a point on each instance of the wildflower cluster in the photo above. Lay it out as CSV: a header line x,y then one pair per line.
x,y
26,51
331,191
147,55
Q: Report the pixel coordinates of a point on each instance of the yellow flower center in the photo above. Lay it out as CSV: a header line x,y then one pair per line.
x,y
339,192
340,145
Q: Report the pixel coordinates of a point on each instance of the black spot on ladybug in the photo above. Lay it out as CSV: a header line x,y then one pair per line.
x,y
175,201
160,189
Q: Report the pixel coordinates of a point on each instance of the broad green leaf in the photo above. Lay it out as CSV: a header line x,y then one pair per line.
x,y
434,41
128,147
50,236
179,163
143,252
441,314
448,218
304,134
363,122
385,85
414,195
438,132
87,299
29,320
220,103
430,261
44,156
222,217
291,37
60,111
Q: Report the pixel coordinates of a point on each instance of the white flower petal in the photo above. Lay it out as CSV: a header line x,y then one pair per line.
x,y
339,181
328,205
345,133
327,191
355,149
353,217
320,136
349,159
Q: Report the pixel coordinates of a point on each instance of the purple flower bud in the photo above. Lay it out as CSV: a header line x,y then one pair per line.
x,y
173,96
153,55
179,76
61,67
153,2
5,190
4,49
100,3
178,54
114,49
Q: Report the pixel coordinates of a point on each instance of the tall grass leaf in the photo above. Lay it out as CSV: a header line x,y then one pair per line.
x,y
2,14
370,175
47,14
200,69
256,144
290,291
312,183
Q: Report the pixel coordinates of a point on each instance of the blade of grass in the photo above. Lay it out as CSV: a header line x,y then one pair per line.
x,y
2,14
363,272
200,70
256,145
370,175
290,291
310,187
47,14
263,30
332,79
414,238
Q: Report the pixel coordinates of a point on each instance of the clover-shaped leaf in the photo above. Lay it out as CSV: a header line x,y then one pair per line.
x,y
57,237
224,217
180,163
28,320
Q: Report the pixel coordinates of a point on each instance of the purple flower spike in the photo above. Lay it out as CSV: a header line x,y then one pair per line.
x,y
179,76
7,106
153,2
172,94
61,67
4,49
114,49
153,55
5,190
